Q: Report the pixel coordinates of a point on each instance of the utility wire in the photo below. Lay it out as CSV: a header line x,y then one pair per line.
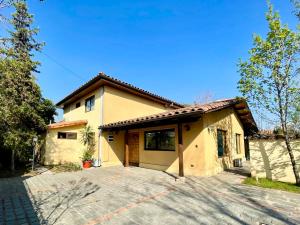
x,y
63,66
5,26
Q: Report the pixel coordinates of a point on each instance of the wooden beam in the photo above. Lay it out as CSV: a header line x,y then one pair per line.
x,y
126,153
180,150
240,106
243,112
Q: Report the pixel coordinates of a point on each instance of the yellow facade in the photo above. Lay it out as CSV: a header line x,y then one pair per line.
x,y
112,105
199,146
60,151
120,105
71,113
269,159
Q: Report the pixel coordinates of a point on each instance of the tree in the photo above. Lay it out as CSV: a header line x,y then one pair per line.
x,y
269,76
204,98
24,113
6,4
297,7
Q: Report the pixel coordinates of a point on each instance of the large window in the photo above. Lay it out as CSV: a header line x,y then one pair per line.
x,y
66,135
89,104
160,140
238,143
221,142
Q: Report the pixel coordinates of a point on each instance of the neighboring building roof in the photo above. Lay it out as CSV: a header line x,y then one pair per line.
x,y
67,124
107,80
270,135
240,105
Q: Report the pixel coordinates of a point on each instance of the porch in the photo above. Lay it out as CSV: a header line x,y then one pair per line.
x,y
183,141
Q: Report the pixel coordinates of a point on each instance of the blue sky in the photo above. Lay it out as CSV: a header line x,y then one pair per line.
x,y
178,49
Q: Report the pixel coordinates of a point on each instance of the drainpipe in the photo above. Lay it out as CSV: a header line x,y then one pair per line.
x,y
101,123
100,147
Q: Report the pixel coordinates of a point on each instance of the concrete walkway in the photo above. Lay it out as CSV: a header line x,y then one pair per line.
x,y
118,195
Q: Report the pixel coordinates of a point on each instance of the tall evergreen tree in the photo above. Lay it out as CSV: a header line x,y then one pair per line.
x,y
24,113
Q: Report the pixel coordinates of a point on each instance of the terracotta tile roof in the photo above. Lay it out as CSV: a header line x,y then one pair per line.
x,y
187,111
67,124
103,76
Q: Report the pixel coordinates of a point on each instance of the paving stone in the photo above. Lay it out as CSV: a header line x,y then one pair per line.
x,y
117,195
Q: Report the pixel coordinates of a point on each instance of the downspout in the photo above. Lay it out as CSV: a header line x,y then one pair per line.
x,y
101,123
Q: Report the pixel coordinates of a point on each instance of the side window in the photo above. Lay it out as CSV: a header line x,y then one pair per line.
x,y
238,143
77,105
221,138
89,103
67,135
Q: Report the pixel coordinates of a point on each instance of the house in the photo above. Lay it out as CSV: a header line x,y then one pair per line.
x,y
135,127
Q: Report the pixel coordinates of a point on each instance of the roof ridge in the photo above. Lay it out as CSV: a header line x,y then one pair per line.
x,y
133,86
102,75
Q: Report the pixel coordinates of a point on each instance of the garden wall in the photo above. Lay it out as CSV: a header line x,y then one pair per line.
x,y
269,159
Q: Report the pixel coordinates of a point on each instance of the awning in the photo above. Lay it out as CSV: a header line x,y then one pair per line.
x,y
189,114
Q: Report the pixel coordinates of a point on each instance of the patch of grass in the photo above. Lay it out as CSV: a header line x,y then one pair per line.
x,y
67,167
267,183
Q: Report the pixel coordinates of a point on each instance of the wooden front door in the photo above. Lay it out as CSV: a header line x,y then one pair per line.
x,y
133,144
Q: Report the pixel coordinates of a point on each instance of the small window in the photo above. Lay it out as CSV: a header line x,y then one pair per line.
x,y
161,140
67,135
77,105
238,143
89,104
221,136
110,138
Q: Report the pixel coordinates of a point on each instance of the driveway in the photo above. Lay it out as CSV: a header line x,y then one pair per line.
x,y
118,195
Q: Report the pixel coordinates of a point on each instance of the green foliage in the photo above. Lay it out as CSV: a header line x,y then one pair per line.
x,y
268,78
24,113
87,155
266,183
88,137
297,7
88,140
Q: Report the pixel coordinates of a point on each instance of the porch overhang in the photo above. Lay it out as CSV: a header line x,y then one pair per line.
x,y
189,114
153,122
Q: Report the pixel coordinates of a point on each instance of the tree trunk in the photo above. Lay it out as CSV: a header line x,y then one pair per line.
x,y
292,158
12,165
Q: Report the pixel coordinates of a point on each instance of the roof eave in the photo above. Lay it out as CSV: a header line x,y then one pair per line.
x,y
102,76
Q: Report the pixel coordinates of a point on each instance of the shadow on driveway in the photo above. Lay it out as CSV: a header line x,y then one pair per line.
x,y
18,205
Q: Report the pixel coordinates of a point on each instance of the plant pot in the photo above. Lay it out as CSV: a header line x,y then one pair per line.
x,y
87,164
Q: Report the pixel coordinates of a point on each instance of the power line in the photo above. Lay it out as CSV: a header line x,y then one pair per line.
x,y
63,66
5,26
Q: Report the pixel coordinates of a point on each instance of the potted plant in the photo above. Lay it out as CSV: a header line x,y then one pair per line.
x,y
88,140
87,159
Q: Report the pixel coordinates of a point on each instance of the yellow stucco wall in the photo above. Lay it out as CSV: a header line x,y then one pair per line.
x,y
117,105
225,120
113,152
199,144
71,113
59,151
120,105
269,158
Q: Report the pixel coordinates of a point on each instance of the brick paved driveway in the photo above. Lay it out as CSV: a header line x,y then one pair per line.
x,y
118,195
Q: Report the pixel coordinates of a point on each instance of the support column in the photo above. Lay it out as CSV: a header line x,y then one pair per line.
x,y
180,150
126,153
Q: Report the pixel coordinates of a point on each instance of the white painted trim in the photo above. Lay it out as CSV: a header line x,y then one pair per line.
x,y
101,123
